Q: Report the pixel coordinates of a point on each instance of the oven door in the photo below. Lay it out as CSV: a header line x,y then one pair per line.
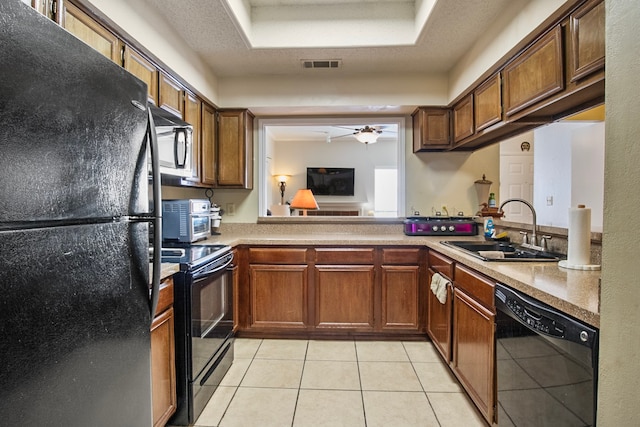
x,y
211,311
200,226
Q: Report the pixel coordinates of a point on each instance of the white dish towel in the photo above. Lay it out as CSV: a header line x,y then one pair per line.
x,y
439,285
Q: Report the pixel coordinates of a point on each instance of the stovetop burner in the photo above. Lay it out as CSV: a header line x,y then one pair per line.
x,y
192,256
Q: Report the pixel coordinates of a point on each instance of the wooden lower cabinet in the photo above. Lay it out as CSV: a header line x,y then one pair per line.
x,y
163,366
278,296
345,296
474,342
439,316
309,291
400,297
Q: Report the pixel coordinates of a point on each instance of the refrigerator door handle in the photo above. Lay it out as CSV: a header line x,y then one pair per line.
x,y
157,215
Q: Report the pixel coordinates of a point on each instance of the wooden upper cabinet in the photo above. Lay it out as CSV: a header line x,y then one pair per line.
x,y
143,69
430,128
193,116
536,74
209,161
235,149
587,34
171,95
89,31
463,119
487,101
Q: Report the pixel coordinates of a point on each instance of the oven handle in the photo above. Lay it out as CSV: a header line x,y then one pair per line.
x,y
213,268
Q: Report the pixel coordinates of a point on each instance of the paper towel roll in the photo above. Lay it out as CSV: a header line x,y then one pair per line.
x,y
579,239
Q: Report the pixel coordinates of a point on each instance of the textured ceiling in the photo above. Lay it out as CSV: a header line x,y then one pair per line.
x,y
226,42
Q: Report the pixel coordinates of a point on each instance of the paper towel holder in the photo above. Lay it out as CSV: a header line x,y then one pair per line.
x,y
567,264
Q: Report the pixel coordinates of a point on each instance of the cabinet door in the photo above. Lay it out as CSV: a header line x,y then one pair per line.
x,y
170,95
536,74
192,115
488,103
463,119
587,39
235,149
163,371
474,351
400,285
345,296
439,319
89,31
430,129
143,69
209,157
278,296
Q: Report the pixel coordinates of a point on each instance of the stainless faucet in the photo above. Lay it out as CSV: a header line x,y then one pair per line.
x,y
534,237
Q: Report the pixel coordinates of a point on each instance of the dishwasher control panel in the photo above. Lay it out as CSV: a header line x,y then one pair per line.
x,y
543,318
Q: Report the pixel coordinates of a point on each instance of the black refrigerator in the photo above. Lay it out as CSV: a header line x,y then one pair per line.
x,y
76,295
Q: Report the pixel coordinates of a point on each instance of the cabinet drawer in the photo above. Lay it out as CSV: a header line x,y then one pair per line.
x,y
344,256
441,264
480,287
277,255
401,256
165,299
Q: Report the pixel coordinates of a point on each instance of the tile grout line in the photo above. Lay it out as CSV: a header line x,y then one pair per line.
x,y
304,363
239,383
364,411
422,385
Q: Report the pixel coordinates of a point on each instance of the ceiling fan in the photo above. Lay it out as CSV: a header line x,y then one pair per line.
x,y
366,135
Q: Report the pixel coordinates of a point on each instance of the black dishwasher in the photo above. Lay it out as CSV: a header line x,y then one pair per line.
x,y
546,364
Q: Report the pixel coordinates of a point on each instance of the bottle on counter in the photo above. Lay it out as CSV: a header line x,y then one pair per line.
x,y
489,227
492,200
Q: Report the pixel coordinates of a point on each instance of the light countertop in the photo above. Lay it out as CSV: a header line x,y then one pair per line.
x,y
574,292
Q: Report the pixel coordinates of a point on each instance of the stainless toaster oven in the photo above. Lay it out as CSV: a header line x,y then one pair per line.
x,y
186,221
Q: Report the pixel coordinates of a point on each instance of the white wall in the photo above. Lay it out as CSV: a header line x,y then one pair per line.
x,y
151,31
292,158
618,391
434,180
516,22
569,166
322,90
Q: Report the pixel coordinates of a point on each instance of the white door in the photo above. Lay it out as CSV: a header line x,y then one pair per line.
x,y
516,181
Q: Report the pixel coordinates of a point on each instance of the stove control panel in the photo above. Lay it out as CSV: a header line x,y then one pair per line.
x,y
440,226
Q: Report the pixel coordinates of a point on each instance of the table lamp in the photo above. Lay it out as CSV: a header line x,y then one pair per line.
x,y
304,200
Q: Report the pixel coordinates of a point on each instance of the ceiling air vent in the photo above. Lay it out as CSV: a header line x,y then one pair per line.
x,y
321,63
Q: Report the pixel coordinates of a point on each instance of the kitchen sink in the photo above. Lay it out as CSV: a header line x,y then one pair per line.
x,y
501,251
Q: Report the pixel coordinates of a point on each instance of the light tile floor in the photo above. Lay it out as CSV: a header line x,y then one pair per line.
x,y
299,383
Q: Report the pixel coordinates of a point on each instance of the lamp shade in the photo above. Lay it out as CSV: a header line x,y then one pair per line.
x,y
304,200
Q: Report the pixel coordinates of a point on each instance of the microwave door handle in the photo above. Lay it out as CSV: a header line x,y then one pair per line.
x,y
180,148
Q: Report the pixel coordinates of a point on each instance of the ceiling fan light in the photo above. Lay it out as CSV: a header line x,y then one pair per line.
x,y
367,136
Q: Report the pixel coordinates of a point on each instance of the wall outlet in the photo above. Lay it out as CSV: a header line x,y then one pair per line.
x,y
549,200
231,209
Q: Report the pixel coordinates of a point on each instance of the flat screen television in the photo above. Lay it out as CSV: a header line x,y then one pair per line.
x,y
331,181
